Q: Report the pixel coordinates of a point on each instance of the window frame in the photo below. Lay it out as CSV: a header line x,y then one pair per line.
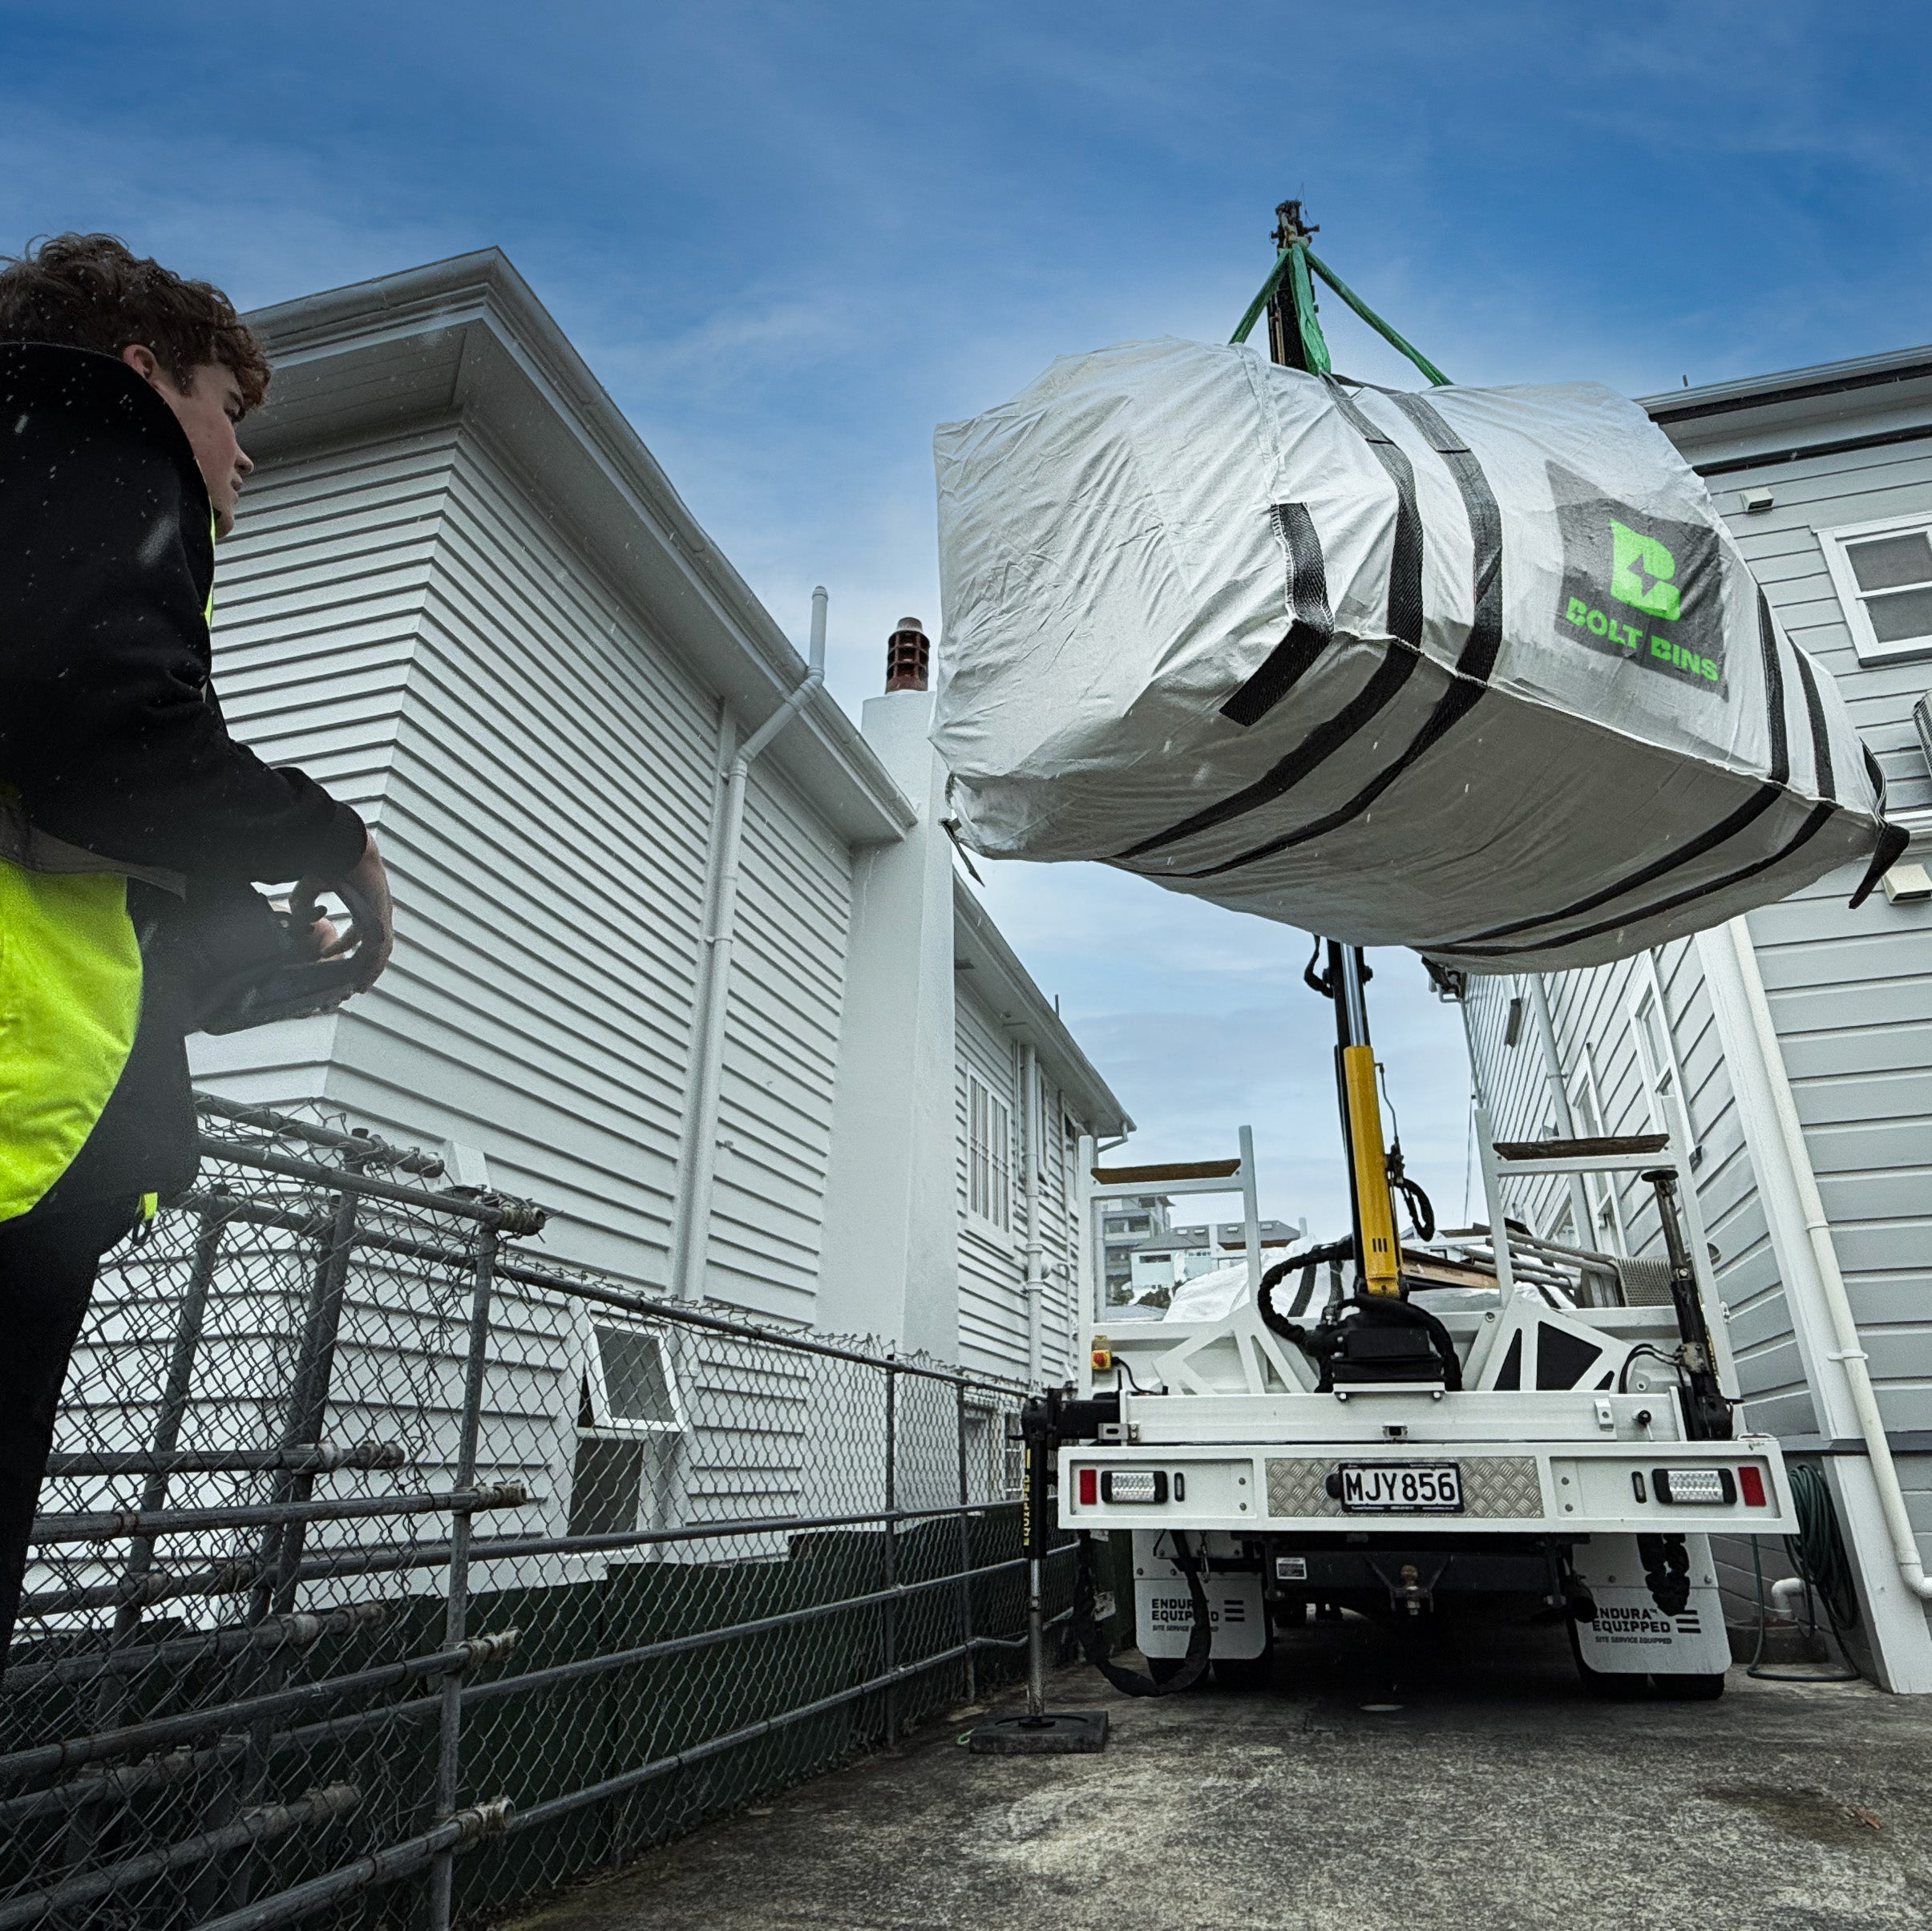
x,y
986,1157
1851,599
1666,1090
606,1424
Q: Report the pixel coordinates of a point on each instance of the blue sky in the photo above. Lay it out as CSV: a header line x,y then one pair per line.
x,y
790,239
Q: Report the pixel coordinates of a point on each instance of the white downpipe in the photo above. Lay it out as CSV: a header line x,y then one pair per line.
x,y
694,1231
1583,1224
1848,1351
1485,1130
1035,1287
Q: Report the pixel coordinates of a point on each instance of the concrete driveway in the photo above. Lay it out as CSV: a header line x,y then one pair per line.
x,y
1495,1795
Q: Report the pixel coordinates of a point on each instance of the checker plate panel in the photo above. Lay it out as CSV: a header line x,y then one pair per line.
x,y
1497,1487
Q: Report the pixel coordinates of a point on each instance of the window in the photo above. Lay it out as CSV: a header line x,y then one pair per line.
x,y
627,1412
1664,1091
1883,575
989,1155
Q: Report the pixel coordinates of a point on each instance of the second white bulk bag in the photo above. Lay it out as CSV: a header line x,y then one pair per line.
x,y
1477,671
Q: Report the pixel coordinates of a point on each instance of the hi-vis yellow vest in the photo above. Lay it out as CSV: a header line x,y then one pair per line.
x,y
70,1001
71,980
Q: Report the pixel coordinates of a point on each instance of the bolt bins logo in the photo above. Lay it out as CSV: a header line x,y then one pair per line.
x,y
1639,586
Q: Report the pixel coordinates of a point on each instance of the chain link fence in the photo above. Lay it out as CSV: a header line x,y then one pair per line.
x,y
387,1574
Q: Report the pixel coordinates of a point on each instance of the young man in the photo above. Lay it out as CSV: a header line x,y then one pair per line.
x,y
131,822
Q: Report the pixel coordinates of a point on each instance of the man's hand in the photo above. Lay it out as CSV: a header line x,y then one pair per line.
x,y
365,888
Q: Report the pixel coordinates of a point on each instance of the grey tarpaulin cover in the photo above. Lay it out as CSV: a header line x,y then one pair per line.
x,y
1478,671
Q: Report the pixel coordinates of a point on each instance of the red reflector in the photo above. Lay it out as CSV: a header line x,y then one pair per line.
x,y
1751,1486
1089,1489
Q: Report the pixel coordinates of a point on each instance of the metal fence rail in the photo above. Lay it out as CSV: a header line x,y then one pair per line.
x,y
386,1570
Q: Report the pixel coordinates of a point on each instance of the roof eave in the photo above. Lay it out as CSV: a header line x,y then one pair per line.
x,y
730,641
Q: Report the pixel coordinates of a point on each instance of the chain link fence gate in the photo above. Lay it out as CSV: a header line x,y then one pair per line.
x,y
387,1575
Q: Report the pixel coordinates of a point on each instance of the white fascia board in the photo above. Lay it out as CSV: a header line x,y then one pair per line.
x,y
1027,1014
1769,414
467,336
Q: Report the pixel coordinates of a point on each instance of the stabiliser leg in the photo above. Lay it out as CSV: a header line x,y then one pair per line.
x,y
1040,1732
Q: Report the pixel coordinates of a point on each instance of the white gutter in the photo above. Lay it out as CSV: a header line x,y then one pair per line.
x,y
701,1147
1583,1222
1035,1286
1797,1173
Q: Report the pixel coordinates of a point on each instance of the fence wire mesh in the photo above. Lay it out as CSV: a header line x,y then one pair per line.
x,y
385,1571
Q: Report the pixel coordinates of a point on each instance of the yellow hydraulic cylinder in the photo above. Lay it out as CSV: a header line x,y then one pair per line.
x,y
1375,1209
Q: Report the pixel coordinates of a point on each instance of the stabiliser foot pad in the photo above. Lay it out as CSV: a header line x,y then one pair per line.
x,y
1057,1733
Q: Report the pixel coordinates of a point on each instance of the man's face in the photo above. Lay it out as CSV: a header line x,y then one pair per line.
x,y
207,409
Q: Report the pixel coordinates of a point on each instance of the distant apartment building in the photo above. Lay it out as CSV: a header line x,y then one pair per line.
x,y
1160,1263
1130,1224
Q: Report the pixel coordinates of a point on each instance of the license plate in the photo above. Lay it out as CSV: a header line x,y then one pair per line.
x,y
1400,1488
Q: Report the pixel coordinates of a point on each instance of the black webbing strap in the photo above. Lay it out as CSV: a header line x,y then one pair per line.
x,y
1404,623
1311,626
1093,1645
1474,663
1893,839
1821,735
1754,807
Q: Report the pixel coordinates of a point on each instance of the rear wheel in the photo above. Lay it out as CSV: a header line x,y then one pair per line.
x,y
1679,1688
1610,1685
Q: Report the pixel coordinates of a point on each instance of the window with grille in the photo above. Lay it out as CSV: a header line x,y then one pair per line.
x,y
989,1155
1883,575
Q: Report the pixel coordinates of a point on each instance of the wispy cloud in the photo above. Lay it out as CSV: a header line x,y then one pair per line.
x,y
790,239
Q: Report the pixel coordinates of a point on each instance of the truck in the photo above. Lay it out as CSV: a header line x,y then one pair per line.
x,y
1418,1429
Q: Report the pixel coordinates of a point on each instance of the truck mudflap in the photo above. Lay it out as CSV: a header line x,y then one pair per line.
x,y
1630,1621
1163,1603
1566,1488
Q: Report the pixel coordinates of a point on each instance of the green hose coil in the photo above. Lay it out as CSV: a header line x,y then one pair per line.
x,y
1817,1548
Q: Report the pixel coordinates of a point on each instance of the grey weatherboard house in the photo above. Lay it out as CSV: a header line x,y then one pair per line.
x,y
464,594
1824,475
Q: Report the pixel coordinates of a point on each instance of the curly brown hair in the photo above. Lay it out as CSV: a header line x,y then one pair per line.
x,y
94,292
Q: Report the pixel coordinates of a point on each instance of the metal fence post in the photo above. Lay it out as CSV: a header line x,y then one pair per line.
x,y
973,1671
166,1437
888,1609
455,1626
282,1549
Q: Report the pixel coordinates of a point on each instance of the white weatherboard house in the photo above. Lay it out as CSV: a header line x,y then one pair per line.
x,y
1824,475
464,595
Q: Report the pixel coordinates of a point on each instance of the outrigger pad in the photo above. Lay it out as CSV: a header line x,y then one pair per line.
x,y
1057,1733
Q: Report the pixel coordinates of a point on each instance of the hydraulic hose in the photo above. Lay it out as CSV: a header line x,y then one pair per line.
x,y
1093,1645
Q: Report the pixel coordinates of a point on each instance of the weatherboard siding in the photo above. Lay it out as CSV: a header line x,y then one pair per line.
x,y
1851,994
543,774
780,1055
1589,1010
992,1263
1782,545
547,824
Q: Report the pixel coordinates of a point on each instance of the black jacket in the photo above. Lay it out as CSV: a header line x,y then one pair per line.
x,y
110,733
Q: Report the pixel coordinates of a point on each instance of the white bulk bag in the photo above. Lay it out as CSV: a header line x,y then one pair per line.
x,y
1477,671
